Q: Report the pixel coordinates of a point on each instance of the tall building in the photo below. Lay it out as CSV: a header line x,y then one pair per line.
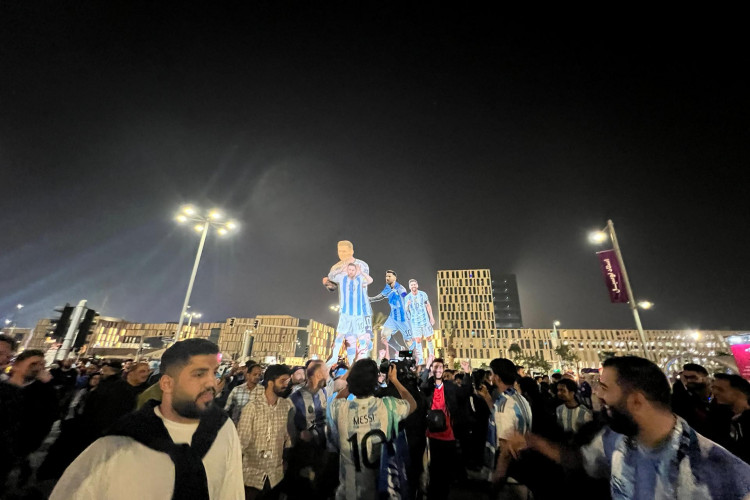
x,y
506,300
467,311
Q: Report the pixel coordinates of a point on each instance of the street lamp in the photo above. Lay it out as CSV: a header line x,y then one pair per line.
x,y
645,304
599,237
191,315
556,340
203,222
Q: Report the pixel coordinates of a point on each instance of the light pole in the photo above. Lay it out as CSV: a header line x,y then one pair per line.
x,y
190,316
556,340
600,237
203,222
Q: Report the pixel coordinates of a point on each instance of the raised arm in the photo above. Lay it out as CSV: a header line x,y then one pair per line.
x,y
365,277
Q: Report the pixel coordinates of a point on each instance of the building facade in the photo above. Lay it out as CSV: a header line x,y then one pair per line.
x,y
467,330
506,300
266,338
590,347
471,317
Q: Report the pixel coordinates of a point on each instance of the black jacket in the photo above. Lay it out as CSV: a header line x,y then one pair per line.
x,y
39,411
111,400
456,399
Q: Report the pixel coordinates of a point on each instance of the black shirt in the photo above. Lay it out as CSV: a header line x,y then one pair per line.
x,y
738,438
39,411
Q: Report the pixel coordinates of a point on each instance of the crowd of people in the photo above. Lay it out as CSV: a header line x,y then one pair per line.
x,y
191,429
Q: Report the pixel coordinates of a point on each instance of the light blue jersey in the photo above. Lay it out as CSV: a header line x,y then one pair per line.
x,y
416,308
572,419
687,466
358,429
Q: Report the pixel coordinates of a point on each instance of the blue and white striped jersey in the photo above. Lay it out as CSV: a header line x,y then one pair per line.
x,y
358,429
335,277
687,465
511,414
572,419
416,308
352,295
310,411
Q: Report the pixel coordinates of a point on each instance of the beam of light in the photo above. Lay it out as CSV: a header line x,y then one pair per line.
x,y
181,218
222,231
189,210
645,304
198,227
231,225
215,215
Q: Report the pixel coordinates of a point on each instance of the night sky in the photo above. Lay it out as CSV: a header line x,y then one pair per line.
x,y
432,139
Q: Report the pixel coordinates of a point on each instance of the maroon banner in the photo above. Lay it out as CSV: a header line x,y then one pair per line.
x,y
613,276
741,354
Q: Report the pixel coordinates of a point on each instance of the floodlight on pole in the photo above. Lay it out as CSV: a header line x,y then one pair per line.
x,y
556,340
645,304
597,237
204,222
600,237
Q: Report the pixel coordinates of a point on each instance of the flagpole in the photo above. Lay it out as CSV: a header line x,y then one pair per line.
x,y
628,289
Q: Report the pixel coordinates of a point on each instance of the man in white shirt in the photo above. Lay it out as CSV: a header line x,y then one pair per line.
x,y
183,447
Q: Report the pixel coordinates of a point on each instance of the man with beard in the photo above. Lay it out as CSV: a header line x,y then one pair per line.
x,y
183,447
446,403
307,459
646,450
397,321
264,435
297,381
240,395
694,405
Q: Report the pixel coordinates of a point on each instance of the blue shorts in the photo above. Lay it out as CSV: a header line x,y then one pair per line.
x,y
391,325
